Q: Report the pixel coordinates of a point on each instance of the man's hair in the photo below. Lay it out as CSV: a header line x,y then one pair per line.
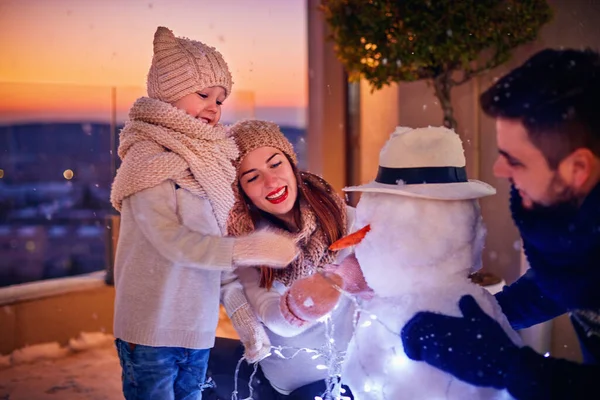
x,y
555,95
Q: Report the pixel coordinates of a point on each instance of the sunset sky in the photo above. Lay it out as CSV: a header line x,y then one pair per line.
x,y
88,46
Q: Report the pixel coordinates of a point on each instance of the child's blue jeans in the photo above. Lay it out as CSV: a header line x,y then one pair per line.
x,y
162,373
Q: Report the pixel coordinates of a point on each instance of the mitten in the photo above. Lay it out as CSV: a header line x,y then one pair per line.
x,y
252,334
264,248
474,348
313,297
353,280
310,298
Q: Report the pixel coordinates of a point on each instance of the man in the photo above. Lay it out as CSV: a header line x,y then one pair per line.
x,y
548,133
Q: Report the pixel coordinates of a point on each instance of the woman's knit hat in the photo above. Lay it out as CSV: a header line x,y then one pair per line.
x,y
311,237
182,66
249,135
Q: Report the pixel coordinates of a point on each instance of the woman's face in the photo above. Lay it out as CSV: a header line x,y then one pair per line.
x,y
267,178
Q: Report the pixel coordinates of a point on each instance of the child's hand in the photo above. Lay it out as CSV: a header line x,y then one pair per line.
x,y
264,248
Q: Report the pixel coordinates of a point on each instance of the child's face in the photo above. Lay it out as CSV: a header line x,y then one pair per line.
x,y
204,105
267,178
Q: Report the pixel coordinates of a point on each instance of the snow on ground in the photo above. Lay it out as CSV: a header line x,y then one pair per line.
x,y
86,369
93,374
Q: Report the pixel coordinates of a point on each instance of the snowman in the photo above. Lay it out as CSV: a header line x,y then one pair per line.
x,y
422,237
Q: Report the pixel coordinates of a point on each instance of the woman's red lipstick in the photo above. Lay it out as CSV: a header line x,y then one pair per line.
x,y
281,193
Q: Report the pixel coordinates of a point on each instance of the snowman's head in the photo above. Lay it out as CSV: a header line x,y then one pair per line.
x,y
413,240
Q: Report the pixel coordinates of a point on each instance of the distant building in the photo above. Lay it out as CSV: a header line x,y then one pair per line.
x,y
54,198
32,253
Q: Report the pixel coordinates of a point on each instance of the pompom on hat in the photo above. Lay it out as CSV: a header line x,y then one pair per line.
x,y
181,66
425,162
249,135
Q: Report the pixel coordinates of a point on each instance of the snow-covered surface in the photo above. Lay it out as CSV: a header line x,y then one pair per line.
x,y
53,350
87,368
89,340
43,351
51,287
91,374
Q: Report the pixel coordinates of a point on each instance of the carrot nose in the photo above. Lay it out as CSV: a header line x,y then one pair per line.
x,y
350,240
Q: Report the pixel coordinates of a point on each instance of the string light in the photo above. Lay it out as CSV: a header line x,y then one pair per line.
x,y
332,359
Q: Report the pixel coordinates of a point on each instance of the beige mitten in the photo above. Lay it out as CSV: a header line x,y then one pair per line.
x,y
264,248
252,334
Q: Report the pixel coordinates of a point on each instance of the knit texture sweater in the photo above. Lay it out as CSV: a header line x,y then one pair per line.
x,y
174,193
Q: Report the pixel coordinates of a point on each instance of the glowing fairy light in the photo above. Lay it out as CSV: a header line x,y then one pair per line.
x,y
371,387
331,358
399,360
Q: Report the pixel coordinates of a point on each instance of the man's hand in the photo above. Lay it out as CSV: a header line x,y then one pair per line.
x,y
473,348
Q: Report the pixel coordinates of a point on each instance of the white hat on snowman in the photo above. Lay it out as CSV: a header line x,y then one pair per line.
x,y
427,163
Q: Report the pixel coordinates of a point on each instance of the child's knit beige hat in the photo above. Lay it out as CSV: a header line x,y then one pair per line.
x,y
182,66
249,135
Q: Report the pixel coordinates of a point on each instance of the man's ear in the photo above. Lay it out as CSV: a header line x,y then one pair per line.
x,y
577,167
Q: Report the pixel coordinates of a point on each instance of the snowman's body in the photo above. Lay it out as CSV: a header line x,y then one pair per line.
x,y
417,257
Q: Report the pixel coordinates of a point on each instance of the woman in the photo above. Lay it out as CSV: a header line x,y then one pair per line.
x,y
272,192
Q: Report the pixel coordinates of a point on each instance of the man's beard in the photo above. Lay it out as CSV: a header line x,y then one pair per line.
x,y
559,195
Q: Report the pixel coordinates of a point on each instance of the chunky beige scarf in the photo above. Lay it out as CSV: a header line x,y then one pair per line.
x,y
311,238
161,142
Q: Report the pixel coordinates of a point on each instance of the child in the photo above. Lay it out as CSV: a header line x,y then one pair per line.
x,y
174,193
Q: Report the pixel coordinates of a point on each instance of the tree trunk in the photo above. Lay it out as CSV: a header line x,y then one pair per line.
x,y
443,86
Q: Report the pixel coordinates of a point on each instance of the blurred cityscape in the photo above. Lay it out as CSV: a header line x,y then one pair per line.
x,y
55,180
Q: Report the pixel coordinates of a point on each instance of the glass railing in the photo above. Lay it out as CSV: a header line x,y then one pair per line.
x,y
57,162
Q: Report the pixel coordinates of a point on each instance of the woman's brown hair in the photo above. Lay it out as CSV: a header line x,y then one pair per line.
x,y
319,196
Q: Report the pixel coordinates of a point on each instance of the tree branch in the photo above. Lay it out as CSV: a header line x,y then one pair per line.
x,y
470,73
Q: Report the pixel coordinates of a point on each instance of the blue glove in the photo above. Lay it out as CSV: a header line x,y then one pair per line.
x,y
473,348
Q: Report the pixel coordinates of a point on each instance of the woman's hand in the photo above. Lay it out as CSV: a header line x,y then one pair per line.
x,y
353,280
252,334
313,297
310,298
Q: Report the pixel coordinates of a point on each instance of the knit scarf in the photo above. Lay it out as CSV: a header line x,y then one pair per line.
x,y
161,142
311,238
562,245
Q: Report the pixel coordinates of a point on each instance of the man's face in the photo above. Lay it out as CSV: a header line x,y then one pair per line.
x,y
524,165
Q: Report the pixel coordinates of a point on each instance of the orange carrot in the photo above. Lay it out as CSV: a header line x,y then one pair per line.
x,y
350,240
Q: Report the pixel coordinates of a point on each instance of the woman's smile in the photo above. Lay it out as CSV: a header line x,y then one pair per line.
x,y
278,196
